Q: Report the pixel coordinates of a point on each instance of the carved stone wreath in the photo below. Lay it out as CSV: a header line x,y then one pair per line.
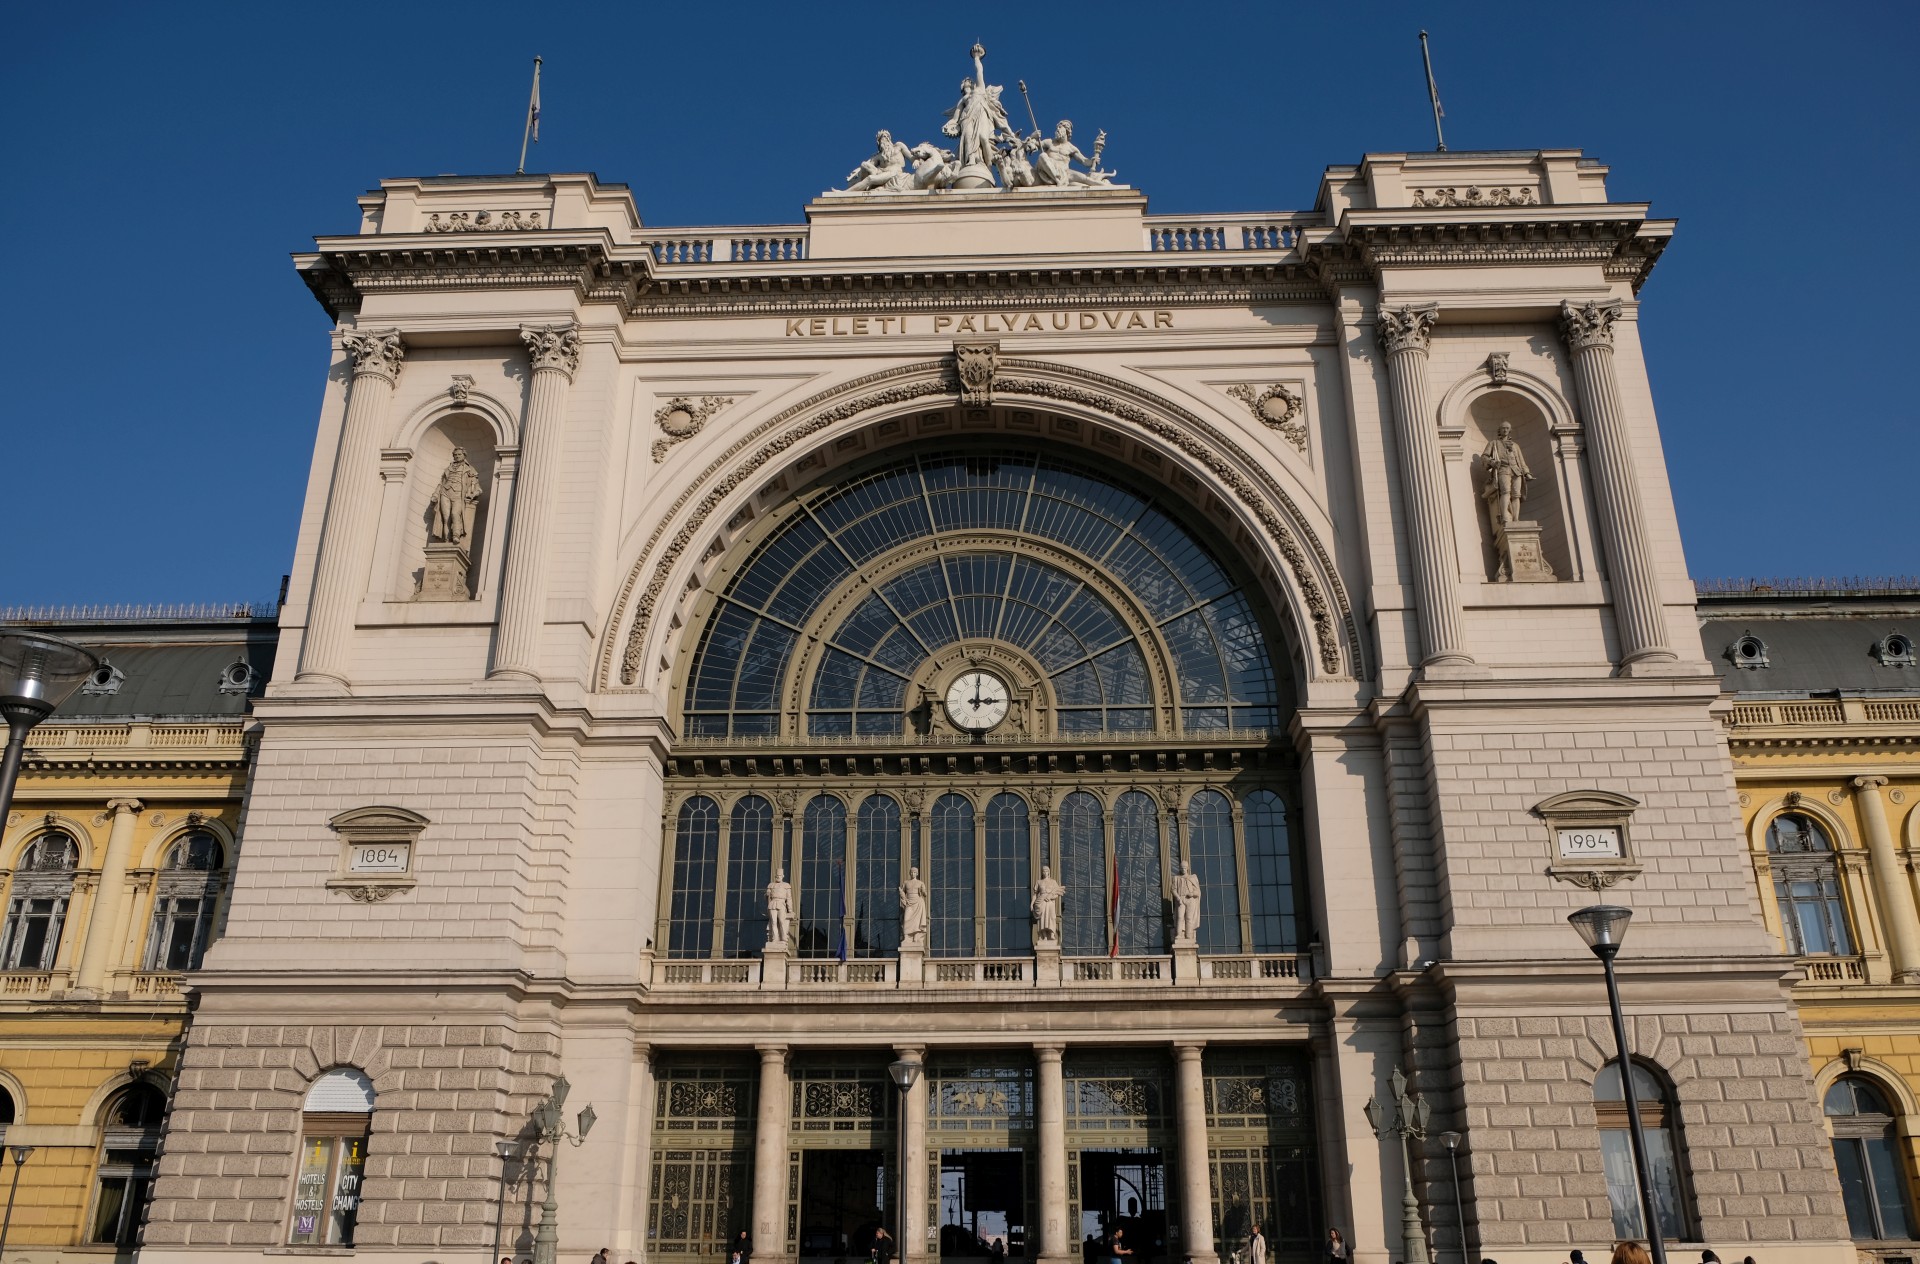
x,y
1277,408
680,418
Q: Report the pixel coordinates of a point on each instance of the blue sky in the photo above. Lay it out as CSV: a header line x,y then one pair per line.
x,y
166,364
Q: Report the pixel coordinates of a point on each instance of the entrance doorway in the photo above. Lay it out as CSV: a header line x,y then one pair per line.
x,y
1124,1189
983,1204
843,1199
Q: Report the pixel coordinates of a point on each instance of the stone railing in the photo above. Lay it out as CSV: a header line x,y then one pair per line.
x,y
1834,969
777,244
1895,710
148,984
56,736
34,985
1751,714
983,972
1227,232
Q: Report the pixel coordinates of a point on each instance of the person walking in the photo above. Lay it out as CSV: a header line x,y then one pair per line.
x,y
1117,1248
1336,1247
1257,1247
741,1250
882,1246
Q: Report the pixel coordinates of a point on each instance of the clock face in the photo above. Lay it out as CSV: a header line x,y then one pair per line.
x,y
977,701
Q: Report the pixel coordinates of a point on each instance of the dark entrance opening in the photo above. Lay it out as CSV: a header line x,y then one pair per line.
x,y
983,1204
843,1199
1123,1189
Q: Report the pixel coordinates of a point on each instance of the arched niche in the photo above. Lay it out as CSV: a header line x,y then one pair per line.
x,y
432,453
1545,503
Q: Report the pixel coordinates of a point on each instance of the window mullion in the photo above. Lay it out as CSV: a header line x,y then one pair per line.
x,y
720,875
979,878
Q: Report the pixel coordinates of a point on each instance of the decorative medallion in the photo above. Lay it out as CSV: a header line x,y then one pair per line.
x,y
976,363
680,418
1277,408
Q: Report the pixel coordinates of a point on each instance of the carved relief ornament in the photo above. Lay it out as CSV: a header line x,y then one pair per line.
x,y
975,363
1320,611
1277,408
680,418
1497,367
483,222
461,388
1589,324
553,347
1407,329
375,352
1474,195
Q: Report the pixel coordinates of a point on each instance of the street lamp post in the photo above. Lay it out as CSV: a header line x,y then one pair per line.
x,y
1452,1140
37,674
20,1154
905,1073
551,1128
1404,1117
1603,926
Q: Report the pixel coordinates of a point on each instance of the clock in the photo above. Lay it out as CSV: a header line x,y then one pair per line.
x,y
977,701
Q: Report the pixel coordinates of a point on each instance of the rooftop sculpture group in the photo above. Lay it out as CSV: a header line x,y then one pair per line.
x,y
985,145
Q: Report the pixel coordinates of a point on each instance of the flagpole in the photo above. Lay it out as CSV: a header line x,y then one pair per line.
x,y
532,130
1433,94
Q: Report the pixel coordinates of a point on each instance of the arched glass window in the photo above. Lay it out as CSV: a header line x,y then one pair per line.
x,y
823,877
1616,1150
950,880
1210,843
335,1123
1083,875
1009,877
1140,911
696,864
129,1143
1806,884
188,892
37,905
1866,1154
1270,893
749,870
876,848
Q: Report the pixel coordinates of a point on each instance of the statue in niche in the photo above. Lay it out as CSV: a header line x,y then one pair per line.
x,y
1054,163
1046,908
1186,904
1507,477
454,501
913,911
779,908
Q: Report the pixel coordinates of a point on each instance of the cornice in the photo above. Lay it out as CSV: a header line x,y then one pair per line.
x,y
1621,239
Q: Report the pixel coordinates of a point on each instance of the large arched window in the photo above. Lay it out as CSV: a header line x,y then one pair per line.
x,y
823,877
1270,888
129,1144
1616,1150
335,1122
1083,875
877,877
37,904
696,874
950,878
1806,883
1866,1154
743,931
189,890
1139,892
1210,843
1009,859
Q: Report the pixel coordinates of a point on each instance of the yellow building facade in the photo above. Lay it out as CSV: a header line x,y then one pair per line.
x,y
1824,730
117,853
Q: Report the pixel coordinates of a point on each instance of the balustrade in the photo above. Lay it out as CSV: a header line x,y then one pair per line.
x,y
985,972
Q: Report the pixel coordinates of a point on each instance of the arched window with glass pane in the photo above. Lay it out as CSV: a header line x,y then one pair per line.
x,y
1270,887
129,1145
188,891
876,851
823,862
1806,884
1210,843
335,1122
1140,918
1009,890
1866,1155
696,865
1657,1120
37,904
950,882
743,931
1083,875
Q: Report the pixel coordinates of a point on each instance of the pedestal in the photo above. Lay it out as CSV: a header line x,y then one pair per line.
x,y
913,966
975,175
1521,560
1186,964
1046,965
773,967
445,578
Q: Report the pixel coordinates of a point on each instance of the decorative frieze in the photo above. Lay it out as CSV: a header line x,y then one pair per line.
x,y
1277,408
680,418
1474,195
484,222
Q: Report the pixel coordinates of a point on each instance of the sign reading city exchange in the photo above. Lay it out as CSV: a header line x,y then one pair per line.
x,y
979,323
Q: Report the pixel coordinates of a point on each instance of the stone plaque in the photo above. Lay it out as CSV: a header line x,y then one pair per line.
x,y
1589,842
379,857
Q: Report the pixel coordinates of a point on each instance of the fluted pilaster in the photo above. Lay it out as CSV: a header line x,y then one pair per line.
x,y
555,353
1404,335
353,504
1588,329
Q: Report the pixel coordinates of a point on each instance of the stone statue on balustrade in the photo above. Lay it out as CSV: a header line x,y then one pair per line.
x,y
1046,908
454,501
1186,904
1516,539
913,911
779,909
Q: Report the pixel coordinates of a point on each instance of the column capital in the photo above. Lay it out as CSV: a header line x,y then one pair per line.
x,y
554,347
771,1053
121,807
375,352
1588,324
1868,783
1188,1050
1049,1051
910,1053
1408,327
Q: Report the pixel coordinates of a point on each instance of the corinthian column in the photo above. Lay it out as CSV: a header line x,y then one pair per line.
x,y
1196,1171
96,954
353,503
1588,328
1404,334
555,353
1896,894
770,1156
